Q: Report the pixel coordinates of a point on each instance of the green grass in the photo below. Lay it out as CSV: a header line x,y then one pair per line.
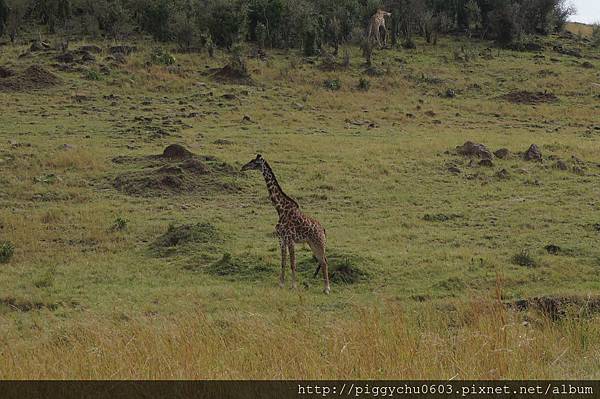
x,y
370,165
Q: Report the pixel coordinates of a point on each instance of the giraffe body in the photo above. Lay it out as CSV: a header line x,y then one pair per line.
x,y
377,22
293,227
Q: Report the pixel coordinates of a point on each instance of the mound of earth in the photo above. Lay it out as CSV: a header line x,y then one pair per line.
x,y
176,237
176,171
557,307
528,97
343,268
6,72
34,77
246,267
231,74
471,149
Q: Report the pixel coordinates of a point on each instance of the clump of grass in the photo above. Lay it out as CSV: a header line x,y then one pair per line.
x,y
119,224
332,84
92,74
7,251
363,84
523,258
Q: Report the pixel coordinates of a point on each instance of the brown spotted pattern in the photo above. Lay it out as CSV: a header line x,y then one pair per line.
x,y
293,226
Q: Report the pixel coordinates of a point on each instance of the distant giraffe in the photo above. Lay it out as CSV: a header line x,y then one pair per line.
x,y
378,21
293,226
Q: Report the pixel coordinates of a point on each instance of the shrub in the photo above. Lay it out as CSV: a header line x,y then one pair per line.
x,y
363,84
160,57
119,224
596,35
7,250
524,259
91,74
332,84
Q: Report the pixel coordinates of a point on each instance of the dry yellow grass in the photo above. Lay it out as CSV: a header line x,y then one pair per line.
x,y
477,341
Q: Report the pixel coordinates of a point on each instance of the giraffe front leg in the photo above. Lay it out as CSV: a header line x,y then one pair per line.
x,y
283,257
293,263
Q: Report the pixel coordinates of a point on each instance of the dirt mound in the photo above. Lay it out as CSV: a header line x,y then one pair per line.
x,y
176,171
533,154
528,97
176,151
471,149
245,267
344,268
557,307
6,72
176,237
34,77
231,74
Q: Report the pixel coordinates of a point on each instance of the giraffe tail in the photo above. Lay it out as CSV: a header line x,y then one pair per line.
x,y
317,271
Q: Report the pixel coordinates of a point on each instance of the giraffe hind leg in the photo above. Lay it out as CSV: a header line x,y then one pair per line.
x,y
283,259
318,249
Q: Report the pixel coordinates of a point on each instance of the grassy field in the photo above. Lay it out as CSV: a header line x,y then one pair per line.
x,y
130,265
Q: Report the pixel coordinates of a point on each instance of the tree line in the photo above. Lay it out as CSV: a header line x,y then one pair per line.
x,y
306,24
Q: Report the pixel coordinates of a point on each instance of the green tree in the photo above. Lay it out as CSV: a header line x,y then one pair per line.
x,y
3,16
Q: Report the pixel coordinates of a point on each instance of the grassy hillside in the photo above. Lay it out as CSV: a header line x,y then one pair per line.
x,y
130,264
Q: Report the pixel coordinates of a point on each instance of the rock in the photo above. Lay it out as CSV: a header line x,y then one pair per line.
x,y
561,165
471,149
450,93
486,163
502,153
533,154
454,169
246,119
229,96
39,46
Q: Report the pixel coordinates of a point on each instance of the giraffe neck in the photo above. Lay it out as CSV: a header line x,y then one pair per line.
x,y
281,201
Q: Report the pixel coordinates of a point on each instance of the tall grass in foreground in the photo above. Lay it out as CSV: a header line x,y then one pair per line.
x,y
477,341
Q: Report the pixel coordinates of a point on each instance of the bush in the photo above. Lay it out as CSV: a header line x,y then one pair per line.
x,y
505,23
160,57
596,35
155,19
119,224
91,74
524,259
332,84
226,22
7,250
363,84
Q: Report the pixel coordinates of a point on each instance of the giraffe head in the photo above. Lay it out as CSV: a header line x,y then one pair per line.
x,y
255,164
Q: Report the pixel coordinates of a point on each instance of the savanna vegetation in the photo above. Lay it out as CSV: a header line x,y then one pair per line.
x,y
456,172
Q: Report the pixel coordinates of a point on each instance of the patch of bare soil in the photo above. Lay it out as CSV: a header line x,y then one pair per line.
x,y
529,97
34,77
176,171
556,307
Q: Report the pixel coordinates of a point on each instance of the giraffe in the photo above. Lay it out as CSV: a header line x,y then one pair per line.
x,y
378,21
293,227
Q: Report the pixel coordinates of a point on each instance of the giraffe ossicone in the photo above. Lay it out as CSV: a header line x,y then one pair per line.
x,y
293,227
